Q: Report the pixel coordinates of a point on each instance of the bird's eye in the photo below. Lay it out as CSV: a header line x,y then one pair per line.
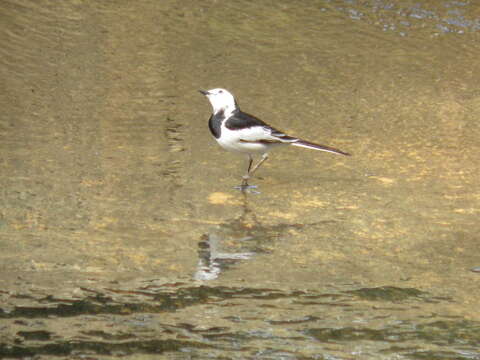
x,y
221,91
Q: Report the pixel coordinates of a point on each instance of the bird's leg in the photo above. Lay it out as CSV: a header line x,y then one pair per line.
x,y
250,171
244,187
247,175
262,160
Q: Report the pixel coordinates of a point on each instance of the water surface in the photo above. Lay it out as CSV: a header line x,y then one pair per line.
x,y
120,230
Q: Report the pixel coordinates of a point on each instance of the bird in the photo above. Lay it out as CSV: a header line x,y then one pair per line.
x,y
240,132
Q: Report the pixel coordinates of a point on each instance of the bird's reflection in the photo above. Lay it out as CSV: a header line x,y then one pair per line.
x,y
235,240
212,259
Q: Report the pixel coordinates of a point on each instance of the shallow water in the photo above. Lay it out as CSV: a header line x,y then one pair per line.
x,y
120,230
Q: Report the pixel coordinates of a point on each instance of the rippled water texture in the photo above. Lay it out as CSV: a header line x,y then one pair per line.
x,y
121,234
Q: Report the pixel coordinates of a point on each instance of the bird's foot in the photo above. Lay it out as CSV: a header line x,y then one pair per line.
x,y
247,189
244,187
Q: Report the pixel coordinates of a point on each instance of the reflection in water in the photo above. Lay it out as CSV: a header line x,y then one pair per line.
x,y
243,231
239,239
212,261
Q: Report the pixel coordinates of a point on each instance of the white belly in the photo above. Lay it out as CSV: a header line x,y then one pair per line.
x,y
243,147
243,141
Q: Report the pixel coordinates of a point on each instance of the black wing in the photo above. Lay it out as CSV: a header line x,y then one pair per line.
x,y
241,120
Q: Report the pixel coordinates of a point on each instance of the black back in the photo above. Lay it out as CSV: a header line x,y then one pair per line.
x,y
241,120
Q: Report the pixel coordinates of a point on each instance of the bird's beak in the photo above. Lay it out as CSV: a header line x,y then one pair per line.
x,y
206,93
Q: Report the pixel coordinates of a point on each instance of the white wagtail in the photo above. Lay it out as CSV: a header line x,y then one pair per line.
x,y
240,132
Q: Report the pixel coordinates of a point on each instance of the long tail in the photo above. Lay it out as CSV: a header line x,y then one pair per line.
x,y
309,145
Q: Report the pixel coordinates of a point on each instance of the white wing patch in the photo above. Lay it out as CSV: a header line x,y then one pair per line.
x,y
255,139
264,134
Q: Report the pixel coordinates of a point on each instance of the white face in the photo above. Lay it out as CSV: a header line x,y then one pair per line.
x,y
221,99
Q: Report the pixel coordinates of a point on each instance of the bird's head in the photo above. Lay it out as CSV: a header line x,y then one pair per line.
x,y
221,100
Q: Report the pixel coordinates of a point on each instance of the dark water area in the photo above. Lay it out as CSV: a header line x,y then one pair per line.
x,y
121,234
